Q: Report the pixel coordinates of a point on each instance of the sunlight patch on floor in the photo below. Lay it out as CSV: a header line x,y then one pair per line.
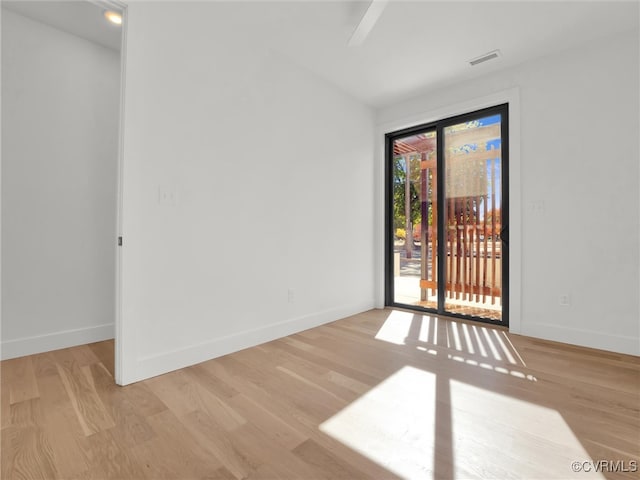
x,y
418,425
515,435
393,424
425,331
396,327
495,368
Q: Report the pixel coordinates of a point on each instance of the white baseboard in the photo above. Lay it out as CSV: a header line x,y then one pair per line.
x,y
585,338
55,341
154,365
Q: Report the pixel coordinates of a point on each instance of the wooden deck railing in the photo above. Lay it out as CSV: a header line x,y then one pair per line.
x,y
473,248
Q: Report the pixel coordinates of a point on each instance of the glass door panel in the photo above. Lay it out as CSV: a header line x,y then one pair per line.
x,y
473,217
414,219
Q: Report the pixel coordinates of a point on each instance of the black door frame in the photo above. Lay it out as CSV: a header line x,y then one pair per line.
x,y
438,126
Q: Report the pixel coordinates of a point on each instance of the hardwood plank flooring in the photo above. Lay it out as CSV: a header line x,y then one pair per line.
x,y
384,394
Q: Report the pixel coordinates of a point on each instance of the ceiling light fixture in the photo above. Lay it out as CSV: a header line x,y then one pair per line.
x,y
113,17
484,58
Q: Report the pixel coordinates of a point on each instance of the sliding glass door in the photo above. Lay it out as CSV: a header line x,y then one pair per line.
x,y
447,234
414,205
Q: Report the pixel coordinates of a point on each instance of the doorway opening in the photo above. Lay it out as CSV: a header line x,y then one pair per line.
x,y
447,213
62,81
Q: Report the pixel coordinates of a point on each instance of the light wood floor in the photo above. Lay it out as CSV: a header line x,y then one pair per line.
x,y
383,394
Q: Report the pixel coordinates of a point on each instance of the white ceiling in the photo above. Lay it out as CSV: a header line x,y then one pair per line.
x,y
414,47
421,45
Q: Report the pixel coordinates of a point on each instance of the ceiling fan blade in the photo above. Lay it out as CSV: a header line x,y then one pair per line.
x,y
368,21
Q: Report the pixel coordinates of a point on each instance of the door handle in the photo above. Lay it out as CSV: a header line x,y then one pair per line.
x,y
504,235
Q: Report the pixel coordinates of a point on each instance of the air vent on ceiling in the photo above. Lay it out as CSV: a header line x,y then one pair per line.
x,y
484,58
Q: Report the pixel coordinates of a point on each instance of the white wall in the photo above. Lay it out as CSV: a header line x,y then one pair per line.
x,y
60,98
578,153
268,172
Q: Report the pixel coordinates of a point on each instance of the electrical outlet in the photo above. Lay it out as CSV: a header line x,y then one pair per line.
x,y
167,196
537,206
291,295
564,300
